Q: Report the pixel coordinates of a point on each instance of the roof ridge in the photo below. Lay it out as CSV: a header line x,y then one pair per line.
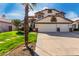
x,y
49,9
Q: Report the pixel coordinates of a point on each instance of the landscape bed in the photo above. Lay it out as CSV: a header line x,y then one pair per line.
x,y
10,40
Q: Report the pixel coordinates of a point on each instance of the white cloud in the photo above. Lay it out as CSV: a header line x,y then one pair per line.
x,y
19,15
75,19
31,13
72,15
45,8
14,14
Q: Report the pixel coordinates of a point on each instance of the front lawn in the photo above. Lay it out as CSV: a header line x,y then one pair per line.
x,y
10,40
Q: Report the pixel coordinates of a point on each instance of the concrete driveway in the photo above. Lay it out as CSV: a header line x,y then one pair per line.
x,y
52,44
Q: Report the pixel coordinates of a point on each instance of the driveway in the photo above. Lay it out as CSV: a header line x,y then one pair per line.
x,y
60,44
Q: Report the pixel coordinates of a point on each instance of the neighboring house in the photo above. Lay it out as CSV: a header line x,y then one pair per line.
x,y
76,24
5,25
51,20
31,22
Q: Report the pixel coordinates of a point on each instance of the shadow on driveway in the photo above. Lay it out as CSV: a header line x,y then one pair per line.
x,y
63,34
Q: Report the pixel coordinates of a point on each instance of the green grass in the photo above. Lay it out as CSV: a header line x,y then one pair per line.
x,y
11,40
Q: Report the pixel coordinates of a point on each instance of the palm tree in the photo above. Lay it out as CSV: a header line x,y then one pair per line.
x,y
28,6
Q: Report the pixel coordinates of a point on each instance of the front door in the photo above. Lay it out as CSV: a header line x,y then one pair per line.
x,y
58,29
10,28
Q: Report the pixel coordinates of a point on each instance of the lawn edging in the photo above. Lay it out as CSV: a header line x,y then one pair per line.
x,y
6,54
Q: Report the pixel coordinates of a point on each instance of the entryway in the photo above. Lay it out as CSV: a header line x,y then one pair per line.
x,y
10,28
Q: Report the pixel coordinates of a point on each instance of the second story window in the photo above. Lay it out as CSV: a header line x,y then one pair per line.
x,y
50,11
40,16
60,15
53,19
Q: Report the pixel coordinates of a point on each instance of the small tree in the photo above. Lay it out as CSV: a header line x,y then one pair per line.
x,y
16,23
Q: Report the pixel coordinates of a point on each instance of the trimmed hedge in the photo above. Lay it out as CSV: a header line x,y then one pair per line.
x,y
76,29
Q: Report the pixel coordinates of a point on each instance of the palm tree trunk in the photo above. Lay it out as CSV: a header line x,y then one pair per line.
x,y
26,26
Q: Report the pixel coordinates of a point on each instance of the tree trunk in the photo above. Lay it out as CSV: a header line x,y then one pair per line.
x,y
26,26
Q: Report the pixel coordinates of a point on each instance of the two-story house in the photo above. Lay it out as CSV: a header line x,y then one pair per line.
x,y
51,20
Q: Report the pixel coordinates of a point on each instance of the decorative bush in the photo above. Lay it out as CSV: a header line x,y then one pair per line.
x,y
20,33
76,29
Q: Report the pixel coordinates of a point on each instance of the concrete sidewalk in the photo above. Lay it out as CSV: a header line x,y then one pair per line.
x,y
52,45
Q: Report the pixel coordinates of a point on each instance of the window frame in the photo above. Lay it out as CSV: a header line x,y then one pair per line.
x,y
50,11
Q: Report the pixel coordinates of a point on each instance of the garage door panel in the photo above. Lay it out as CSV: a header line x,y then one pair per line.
x,y
64,28
46,27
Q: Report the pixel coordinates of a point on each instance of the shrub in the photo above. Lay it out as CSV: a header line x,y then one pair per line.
x,y
76,29
20,33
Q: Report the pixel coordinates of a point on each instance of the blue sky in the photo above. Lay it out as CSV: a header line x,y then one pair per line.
x,y
16,11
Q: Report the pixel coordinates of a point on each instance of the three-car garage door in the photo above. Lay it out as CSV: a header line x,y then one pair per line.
x,y
52,27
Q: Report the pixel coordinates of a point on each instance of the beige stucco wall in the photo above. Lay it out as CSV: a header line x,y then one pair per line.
x,y
76,23
46,13
5,26
48,19
60,19
13,27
